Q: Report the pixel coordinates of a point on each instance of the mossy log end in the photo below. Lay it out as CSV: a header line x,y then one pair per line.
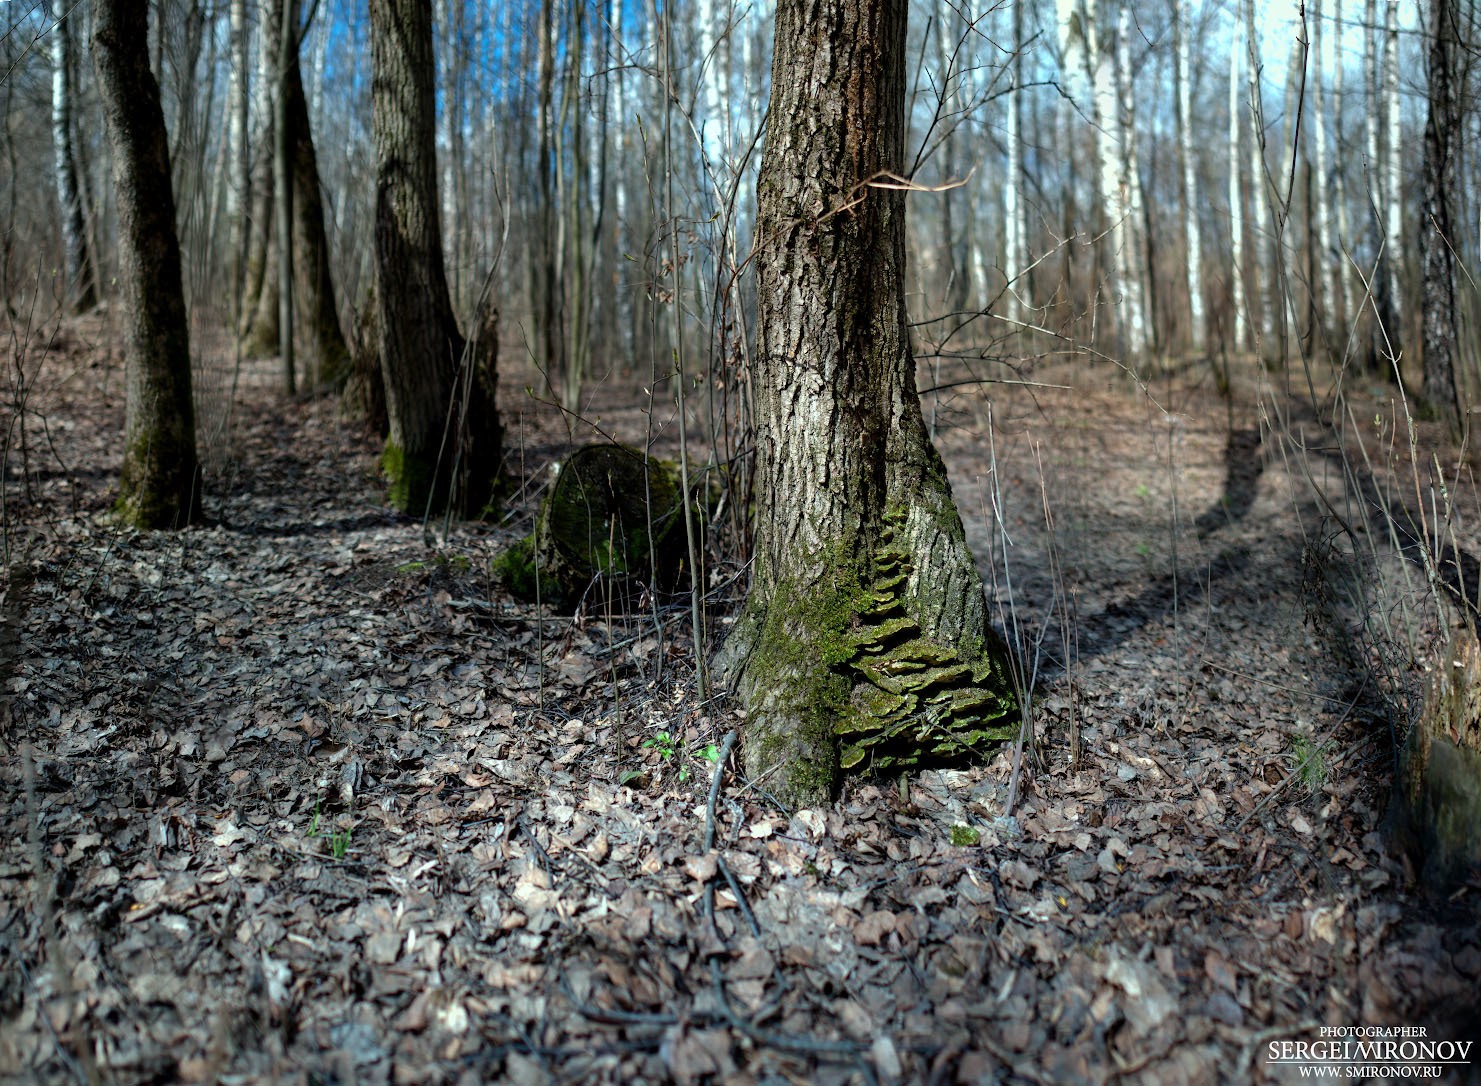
x,y
1436,810
614,518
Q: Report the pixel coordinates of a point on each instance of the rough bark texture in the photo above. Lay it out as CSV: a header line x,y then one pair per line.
x,y
259,328
317,313
858,541
443,448
1436,236
81,294
160,485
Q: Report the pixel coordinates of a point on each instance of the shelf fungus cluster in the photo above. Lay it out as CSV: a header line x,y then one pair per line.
x,y
914,699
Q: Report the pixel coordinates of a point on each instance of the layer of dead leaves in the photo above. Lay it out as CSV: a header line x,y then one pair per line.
x,y
300,796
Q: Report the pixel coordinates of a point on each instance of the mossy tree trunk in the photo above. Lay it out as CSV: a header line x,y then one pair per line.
x,y
443,448
862,571
160,485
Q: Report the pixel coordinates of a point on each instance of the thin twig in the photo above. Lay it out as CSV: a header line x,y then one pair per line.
x,y
740,898
726,746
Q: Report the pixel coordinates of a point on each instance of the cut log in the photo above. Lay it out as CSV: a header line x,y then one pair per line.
x,y
612,523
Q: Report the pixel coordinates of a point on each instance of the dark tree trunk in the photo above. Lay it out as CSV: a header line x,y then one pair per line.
x,y
160,485
317,313
81,292
259,328
1437,259
864,639
443,448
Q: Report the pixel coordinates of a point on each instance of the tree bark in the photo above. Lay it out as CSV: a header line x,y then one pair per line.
x,y
259,329
1391,281
160,484
313,285
861,571
1188,161
239,188
80,288
1239,317
443,448
287,57
1436,235
1328,269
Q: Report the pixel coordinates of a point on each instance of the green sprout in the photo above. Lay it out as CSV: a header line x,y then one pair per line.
x,y
1310,761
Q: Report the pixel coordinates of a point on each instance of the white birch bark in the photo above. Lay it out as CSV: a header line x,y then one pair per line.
x,y
1238,302
1070,107
1374,111
1016,252
1194,247
1327,269
1393,189
1138,257
1339,180
1283,274
1119,182
1262,240
238,190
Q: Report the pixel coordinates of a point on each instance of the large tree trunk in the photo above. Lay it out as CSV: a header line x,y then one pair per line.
x,y
443,448
864,638
1436,235
160,485
80,292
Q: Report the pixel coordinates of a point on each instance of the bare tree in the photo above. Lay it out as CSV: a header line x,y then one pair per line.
x,y
80,292
1437,236
160,484
1239,297
443,448
1188,159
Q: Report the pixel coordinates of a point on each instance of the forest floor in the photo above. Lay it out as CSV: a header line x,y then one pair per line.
x,y
303,796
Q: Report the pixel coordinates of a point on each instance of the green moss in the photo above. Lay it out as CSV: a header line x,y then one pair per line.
x,y
516,568
964,836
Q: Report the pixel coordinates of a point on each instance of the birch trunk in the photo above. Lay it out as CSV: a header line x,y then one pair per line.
x,y
1393,189
1239,304
1328,267
79,289
1016,259
1135,259
1344,275
239,187
1263,287
1189,163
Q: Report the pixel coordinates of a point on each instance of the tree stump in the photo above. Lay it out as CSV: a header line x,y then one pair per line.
x,y
1436,812
612,523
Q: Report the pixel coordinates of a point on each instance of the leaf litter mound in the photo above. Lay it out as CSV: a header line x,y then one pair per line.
x,y
300,796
